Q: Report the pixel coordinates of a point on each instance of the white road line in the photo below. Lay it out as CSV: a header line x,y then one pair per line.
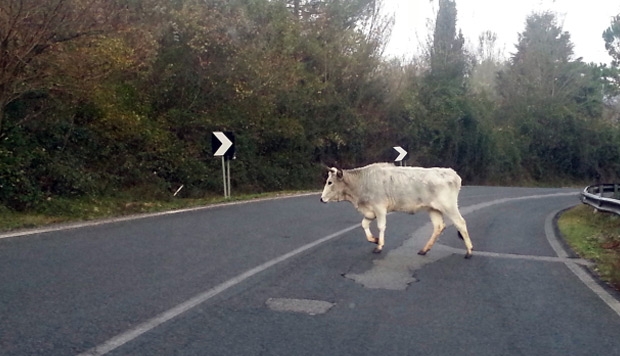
x,y
395,272
121,339
579,271
514,256
554,241
77,225
125,337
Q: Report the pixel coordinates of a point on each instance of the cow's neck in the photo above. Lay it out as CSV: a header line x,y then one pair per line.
x,y
351,192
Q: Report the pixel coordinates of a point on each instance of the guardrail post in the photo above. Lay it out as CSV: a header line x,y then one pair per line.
x,y
616,195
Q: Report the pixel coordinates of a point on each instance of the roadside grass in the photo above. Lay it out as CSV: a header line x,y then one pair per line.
x,y
56,211
594,236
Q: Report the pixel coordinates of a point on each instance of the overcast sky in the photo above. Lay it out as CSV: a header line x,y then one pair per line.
x,y
585,20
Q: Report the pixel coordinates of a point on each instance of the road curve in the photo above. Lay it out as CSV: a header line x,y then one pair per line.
x,y
294,276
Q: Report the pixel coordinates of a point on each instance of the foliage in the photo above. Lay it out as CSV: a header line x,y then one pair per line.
x,y
104,99
612,40
449,118
448,59
552,104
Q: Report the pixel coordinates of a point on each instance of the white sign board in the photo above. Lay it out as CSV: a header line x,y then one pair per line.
x,y
401,153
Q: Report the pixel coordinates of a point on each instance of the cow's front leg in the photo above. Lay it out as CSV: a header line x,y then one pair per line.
x,y
366,227
381,224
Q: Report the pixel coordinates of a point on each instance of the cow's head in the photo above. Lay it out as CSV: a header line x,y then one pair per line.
x,y
334,186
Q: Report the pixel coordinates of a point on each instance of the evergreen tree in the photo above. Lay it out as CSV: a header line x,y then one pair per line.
x,y
447,123
547,100
448,60
612,40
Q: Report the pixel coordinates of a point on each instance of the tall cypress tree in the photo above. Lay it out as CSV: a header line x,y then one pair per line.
x,y
447,122
447,56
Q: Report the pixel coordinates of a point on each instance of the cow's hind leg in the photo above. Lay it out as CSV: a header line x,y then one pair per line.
x,y
381,225
461,226
438,227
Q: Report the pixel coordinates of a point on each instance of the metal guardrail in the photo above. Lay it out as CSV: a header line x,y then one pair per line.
x,y
604,197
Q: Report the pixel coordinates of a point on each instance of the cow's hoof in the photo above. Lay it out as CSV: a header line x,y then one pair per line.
x,y
422,252
377,250
468,256
375,241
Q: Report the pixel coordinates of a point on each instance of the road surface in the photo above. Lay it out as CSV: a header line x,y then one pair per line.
x,y
292,276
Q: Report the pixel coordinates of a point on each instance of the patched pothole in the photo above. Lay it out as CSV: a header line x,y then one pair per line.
x,y
306,306
395,271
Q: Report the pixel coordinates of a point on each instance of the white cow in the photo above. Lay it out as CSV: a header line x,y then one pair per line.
x,y
379,188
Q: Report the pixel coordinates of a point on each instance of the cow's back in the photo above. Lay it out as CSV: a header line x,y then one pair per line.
x,y
403,176
410,189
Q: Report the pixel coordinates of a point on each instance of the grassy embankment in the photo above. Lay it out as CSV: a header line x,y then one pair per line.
x,y
594,236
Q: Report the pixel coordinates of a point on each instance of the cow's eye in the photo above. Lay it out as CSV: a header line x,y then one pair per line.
x,y
329,182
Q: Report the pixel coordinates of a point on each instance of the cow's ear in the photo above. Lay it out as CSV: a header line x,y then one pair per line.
x,y
338,172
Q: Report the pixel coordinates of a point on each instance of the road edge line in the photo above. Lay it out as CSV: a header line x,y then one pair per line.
x,y
579,271
104,221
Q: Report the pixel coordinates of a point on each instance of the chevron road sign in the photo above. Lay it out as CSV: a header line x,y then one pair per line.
x,y
223,144
401,153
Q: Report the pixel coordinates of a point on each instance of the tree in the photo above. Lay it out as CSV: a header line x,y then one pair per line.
x,y
612,40
488,63
447,122
31,29
539,69
543,52
68,109
339,46
487,47
448,60
611,75
546,100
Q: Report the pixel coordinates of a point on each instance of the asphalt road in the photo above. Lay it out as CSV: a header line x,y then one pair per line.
x,y
293,276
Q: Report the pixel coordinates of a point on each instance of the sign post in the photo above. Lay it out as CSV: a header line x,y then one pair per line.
x,y
224,178
228,174
223,145
401,154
